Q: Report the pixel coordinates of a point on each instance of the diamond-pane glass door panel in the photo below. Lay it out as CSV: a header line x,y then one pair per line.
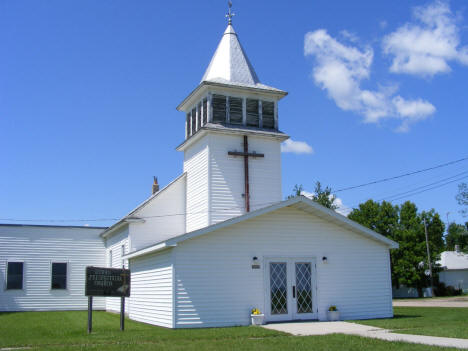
x,y
304,287
278,288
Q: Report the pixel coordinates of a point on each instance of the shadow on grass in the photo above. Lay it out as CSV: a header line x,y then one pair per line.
x,y
405,316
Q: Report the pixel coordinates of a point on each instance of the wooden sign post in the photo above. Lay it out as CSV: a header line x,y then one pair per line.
x,y
109,282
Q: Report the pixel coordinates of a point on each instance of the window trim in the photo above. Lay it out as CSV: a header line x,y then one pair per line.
x,y
6,274
67,277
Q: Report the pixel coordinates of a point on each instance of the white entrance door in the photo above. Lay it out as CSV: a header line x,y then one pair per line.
x,y
291,293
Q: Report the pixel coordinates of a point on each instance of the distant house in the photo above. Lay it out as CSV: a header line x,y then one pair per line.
x,y
455,269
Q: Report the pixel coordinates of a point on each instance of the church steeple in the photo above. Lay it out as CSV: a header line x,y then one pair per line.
x,y
232,154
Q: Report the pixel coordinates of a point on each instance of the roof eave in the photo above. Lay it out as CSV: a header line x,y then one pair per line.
x,y
204,85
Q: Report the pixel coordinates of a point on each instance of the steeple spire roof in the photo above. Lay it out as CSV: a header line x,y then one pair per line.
x,y
230,63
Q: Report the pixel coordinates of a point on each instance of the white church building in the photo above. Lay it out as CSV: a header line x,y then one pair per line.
x,y
219,240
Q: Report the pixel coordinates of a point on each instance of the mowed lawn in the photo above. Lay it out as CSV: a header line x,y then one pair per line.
x,y
67,331
435,321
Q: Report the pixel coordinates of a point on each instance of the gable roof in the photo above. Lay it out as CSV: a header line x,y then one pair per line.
x,y
299,202
453,260
128,217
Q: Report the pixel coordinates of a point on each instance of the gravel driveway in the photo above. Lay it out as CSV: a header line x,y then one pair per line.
x,y
457,301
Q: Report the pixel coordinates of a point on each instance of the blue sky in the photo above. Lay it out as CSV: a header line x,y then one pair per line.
x,y
88,91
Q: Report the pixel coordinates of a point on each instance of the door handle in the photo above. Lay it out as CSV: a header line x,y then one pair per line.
x,y
294,291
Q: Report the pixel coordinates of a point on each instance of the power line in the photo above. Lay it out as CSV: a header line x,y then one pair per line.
x,y
401,175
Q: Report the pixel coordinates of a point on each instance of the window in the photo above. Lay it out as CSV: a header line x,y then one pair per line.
x,y
268,114
122,253
205,114
15,275
252,113
110,258
235,110
219,108
59,275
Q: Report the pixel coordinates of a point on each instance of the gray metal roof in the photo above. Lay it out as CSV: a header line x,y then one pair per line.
x,y
230,64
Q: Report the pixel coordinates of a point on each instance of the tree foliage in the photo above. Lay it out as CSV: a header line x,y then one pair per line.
x,y
321,195
462,197
405,225
457,235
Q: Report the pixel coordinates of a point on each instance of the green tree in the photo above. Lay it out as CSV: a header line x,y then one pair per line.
x,y
321,195
462,197
405,225
457,235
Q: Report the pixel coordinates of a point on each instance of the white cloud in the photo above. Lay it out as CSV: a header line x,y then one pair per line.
x,y
339,69
425,46
296,147
342,209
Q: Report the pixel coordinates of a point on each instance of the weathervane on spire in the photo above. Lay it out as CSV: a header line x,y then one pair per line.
x,y
230,14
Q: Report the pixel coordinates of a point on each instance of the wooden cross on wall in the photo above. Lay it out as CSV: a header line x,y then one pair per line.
x,y
246,154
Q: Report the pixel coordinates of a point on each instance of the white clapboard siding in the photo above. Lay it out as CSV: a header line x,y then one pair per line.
x,y
164,216
115,244
216,286
227,175
151,299
196,167
38,247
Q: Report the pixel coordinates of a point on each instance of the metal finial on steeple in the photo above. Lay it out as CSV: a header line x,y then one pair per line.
x,y
230,14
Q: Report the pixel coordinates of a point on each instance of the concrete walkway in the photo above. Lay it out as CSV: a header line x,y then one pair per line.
x,y
460,301
323,328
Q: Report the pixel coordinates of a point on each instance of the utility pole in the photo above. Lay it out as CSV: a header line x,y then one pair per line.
x,y
429,258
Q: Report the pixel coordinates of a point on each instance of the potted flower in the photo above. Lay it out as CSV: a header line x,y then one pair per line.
x,y
333,314
257,317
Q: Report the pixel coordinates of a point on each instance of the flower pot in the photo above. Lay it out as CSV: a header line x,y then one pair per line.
x,y
333,315
257,319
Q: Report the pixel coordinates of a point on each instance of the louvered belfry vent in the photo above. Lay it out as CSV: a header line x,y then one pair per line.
x,y
219,108
268,114
252,113
194,121
205,112
199,118
235,110
187,122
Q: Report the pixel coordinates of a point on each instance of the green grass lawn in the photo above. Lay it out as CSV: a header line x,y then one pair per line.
x,y
67,331
435,321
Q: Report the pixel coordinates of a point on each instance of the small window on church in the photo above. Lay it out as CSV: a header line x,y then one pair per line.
x,y
188,124
252,113
205,112
268,114
235,110
219,108
199,116
59,275
194,121
15,275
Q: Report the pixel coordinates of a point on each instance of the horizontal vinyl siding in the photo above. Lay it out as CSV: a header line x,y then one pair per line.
x,y
151,298
38,247
196,167
216,286
164,217
114,245
455,278
228,179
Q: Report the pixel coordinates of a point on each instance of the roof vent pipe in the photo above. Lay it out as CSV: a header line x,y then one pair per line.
x,y
155,185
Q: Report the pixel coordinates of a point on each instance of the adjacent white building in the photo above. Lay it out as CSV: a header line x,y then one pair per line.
x,y
454,269
219,241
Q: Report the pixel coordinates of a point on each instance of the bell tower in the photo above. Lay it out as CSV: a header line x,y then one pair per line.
x,y
232,153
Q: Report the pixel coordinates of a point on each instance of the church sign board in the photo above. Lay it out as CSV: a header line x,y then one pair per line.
x,y
107,282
